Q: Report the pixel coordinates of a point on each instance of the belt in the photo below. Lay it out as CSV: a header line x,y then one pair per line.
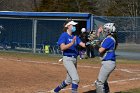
x,y
71,56
109,60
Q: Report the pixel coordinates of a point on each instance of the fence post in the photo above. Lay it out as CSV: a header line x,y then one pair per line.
x,y
34,30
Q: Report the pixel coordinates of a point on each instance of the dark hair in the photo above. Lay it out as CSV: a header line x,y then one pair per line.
x,y
115,36
67,21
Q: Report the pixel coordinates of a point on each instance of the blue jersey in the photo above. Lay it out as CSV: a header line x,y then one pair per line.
x,y
109,45
66,39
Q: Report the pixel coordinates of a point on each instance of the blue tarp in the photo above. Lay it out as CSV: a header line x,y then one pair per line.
x,y
45,14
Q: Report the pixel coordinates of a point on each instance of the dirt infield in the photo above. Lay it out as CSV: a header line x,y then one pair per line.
x,y
18,75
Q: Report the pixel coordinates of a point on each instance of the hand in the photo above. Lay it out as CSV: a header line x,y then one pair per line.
x,y
74,39
100,29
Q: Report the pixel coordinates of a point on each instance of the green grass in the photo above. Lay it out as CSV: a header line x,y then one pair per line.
x,y
127,61
129,50
135,90
54,58
30,56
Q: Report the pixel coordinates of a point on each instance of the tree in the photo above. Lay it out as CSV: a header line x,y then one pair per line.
x,y
19,5
102,7
123,8
68,6
35,5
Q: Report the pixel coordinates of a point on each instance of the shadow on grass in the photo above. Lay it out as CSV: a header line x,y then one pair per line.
x,y
122,92
91,91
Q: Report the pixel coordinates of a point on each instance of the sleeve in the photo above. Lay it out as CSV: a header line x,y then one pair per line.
x,y
106,43
61,39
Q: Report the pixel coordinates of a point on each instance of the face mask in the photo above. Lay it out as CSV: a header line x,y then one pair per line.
x,y
73,29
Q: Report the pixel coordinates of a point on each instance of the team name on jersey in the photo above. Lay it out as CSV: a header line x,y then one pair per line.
x,y
70,40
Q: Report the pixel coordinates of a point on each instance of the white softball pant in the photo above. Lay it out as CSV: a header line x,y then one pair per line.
x,y
70,64
106,69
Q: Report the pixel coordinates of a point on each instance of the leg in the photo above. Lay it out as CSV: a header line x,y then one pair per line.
x,y
80,54
101,83
64,83
71,66
92,52
102,88
99,87
106,87
88,51
84,54
61,86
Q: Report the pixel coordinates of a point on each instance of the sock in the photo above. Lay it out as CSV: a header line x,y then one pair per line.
x,y
74,88
57,89
61,86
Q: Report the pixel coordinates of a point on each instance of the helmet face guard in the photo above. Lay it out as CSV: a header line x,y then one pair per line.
x,y
109,28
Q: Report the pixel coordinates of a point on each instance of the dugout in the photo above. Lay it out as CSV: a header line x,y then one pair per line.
x,y
30,31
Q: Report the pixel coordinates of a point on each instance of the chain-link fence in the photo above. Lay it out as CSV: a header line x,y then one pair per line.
x,y
128,34
18,33
15,33
128,27
36,31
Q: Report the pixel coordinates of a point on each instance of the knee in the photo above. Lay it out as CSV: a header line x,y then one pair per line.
x,y
68,82
76,80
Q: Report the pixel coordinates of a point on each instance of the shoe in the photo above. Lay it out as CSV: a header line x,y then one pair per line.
x,y
41,92
52,91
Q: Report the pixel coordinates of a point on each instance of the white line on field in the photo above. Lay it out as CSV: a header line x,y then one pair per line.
x,y
135,70
38,62
54,63
125,70
111,82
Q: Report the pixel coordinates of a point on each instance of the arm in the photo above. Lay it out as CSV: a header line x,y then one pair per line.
x,y
82,44
105,45
101,49
66,46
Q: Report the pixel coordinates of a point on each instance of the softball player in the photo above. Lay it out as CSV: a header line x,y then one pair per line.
x,y
107,51
68,44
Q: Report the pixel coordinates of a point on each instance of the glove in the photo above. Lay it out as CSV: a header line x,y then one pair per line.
x,y
93,43
88,43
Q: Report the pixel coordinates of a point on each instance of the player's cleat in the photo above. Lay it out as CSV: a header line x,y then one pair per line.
x,y
60,59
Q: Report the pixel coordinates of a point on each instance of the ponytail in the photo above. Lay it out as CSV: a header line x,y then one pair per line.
x,y
115,36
